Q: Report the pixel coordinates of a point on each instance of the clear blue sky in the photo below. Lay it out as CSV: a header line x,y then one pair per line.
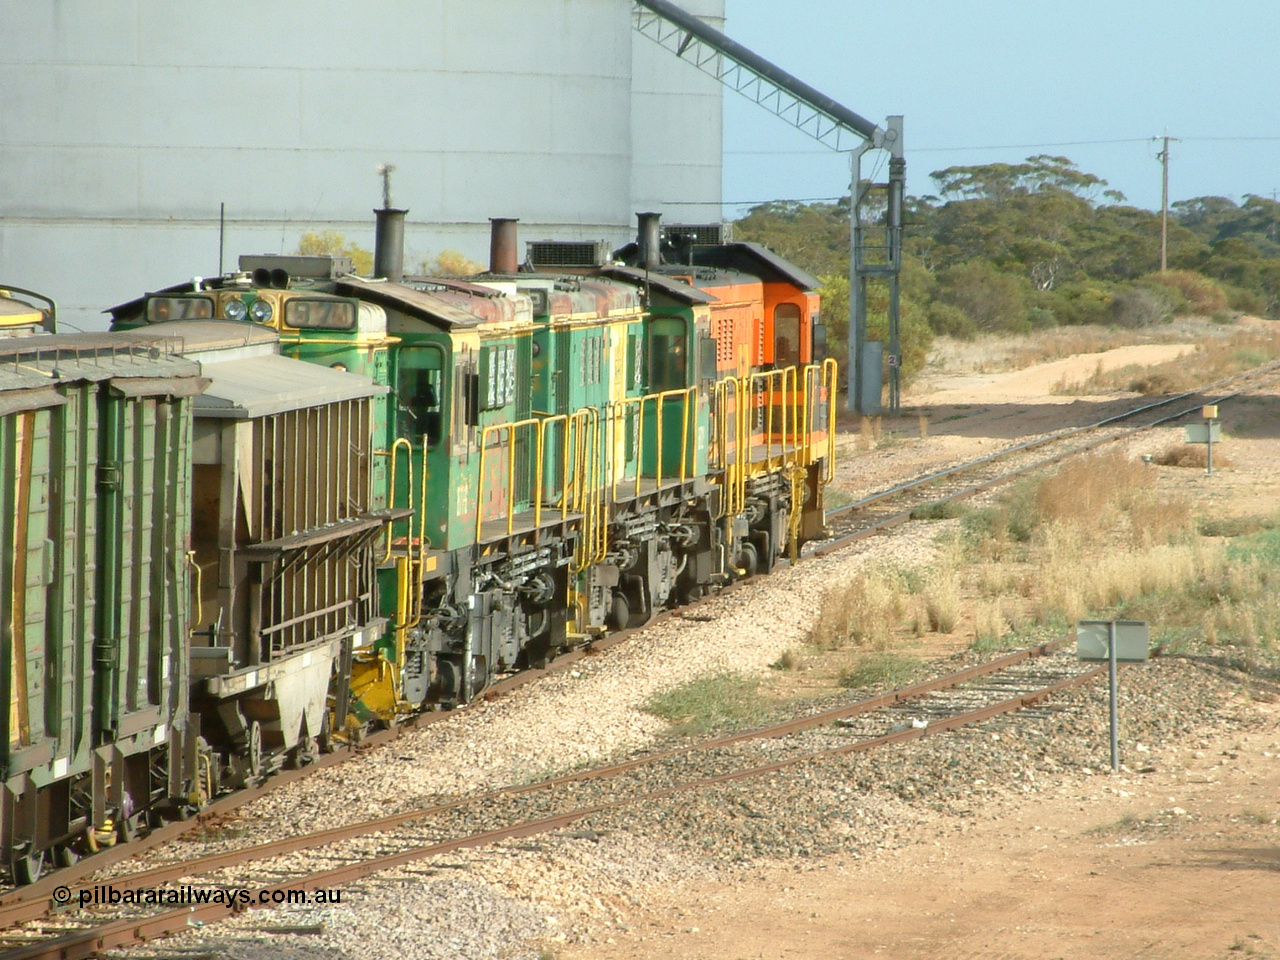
x,y
994,74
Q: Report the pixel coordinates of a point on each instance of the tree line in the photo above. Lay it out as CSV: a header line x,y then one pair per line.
x,y
1009,248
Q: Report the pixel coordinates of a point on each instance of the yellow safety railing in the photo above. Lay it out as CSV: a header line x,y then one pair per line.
x,y
775,385
617,413
733,431
191,562
404,620
510,430
391,486
578,448
830,373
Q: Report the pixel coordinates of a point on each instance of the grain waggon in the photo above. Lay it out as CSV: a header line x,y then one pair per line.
x,y
192,564
94,526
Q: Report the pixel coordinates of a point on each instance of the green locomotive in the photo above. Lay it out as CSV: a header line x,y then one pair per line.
x,y
571,449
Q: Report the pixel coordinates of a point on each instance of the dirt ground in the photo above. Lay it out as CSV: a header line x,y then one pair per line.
x,y
1181,859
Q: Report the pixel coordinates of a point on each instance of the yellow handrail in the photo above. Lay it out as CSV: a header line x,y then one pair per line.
x,y
734,472
616,413
423,543
191,561
391,486
830,370
485,432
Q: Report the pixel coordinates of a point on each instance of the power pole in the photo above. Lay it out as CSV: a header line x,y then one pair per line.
x,y
1163,156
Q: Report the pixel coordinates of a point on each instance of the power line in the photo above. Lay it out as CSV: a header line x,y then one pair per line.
x,y
751,203
1003,146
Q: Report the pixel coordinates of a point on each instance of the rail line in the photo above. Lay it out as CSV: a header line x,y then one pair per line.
x,y
1008,684
891,507
851,522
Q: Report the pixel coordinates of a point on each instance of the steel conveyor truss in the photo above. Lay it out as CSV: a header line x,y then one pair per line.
x,y
877,247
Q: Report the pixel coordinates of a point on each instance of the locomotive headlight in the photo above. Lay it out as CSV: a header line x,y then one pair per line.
x,y
261,311
235,310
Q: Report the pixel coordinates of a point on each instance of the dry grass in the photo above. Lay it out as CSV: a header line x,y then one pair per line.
x,y
1191,455
1095,539
864,611
1077,579
990,622
1087,492
870,433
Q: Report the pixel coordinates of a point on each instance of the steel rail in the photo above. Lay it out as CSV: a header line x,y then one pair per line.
x,y
31,908
41,892
43,888
130,931
897,519
1055,437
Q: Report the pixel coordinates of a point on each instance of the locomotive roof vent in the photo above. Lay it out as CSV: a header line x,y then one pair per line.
x,y
316,268
700,234
550,254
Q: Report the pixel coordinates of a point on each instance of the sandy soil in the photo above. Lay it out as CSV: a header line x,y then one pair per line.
x,y
1179,860
1183,861
948,417
940,388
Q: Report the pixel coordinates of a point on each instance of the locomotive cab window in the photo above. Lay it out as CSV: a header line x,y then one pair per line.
x,y
420,390
786,335
162,309
668,355
307,314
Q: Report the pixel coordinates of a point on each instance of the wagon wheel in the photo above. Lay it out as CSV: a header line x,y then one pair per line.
x,y
325,739
255,749
620,612
27,870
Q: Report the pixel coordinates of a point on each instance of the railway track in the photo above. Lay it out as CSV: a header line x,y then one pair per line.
x,y
855,521
896,505
61,927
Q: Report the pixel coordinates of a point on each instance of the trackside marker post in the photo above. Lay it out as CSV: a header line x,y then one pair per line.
x,y
1116,641
1209,432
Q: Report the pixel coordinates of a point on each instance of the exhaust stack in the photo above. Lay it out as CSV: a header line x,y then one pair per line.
x,y
503,254
649,240
388,244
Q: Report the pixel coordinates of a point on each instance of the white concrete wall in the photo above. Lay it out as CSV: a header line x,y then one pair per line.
x,y
676,129
124,124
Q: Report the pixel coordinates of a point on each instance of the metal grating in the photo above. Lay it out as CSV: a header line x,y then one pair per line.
x,y
568,253
702,234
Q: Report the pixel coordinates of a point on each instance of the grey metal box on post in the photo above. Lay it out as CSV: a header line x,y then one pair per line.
x,y
1133,640
872,384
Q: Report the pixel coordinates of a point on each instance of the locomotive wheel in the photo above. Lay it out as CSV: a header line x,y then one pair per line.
x,y
748,559
27,870
66,856
620,612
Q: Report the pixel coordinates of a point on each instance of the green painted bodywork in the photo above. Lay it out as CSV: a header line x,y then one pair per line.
x,y
101,547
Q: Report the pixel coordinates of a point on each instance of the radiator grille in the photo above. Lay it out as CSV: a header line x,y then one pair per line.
x,y
568,253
